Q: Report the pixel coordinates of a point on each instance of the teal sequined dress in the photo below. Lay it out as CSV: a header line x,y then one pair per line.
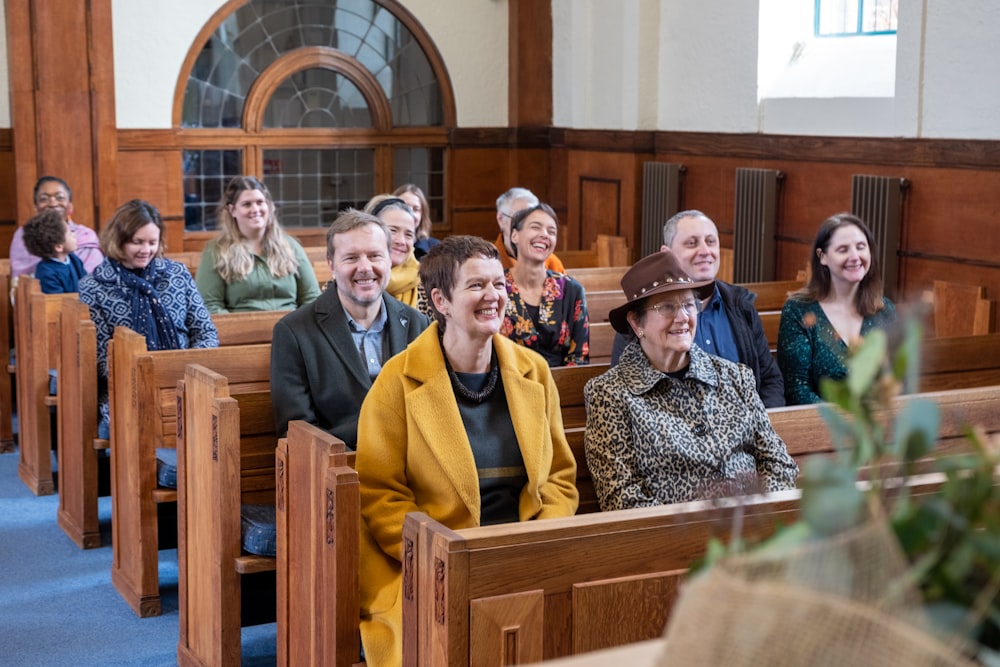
x,y
809,348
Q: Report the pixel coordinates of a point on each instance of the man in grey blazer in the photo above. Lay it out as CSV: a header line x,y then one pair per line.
x,y
325,354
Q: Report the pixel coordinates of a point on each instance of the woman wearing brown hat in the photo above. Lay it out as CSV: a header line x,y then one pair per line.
x,y
671,423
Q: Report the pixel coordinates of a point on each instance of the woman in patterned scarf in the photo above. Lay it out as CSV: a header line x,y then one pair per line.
x,y
136,287
671,423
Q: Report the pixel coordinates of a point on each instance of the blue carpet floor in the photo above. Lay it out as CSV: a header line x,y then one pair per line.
x,y
57,604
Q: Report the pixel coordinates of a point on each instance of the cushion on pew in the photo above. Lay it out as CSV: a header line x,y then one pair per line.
x,y
259,529
53,381
166,467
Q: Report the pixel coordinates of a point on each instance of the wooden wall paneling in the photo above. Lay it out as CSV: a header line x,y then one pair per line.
x,y
8,193
598,211
62,103
156,176
529,96
584,168
476,178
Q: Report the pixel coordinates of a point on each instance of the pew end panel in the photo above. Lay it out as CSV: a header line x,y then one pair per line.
x,y
6,368
225,458
77,425
36,324
318,513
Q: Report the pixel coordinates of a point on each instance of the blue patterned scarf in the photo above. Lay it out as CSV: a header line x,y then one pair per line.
x,y
149,317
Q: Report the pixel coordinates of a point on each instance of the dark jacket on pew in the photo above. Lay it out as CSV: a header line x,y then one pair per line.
x,y
317,373
751,343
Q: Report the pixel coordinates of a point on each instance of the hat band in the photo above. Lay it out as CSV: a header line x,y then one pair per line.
x,y
666,281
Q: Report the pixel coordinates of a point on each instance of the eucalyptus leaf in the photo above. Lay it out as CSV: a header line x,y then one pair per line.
x,y
916,430
864,365
831,500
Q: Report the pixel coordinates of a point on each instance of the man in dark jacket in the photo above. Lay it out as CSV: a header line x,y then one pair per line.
x,y
325,355
728,325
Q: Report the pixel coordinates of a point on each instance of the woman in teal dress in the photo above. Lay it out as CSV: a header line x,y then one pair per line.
x,y
546,310
841,303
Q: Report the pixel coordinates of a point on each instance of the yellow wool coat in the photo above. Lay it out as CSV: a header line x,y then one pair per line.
x,y
414,455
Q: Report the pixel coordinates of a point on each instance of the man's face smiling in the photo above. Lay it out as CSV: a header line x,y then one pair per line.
x,y
696,245
361,264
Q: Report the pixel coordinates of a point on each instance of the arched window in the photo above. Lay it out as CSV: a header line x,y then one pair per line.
x,y
331,101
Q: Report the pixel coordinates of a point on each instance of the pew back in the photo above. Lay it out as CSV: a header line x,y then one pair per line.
x,y
143,394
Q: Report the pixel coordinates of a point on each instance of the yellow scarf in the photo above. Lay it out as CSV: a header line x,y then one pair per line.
x,y
403,281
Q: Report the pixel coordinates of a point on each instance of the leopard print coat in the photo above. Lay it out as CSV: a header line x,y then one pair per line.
x,y
653,439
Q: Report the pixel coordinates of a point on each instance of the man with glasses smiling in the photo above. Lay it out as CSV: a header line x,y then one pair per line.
x,y
728,324
52,192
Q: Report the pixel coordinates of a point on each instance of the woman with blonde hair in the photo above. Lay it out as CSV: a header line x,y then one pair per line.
x,y
253,264
417,201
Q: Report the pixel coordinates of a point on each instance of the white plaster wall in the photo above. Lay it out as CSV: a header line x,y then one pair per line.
x,y
961,70
708,66
152,37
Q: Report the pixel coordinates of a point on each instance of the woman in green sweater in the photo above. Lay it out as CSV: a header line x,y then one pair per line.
x,y
842,302
253,264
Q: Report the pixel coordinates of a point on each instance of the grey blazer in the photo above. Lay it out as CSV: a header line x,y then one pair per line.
x,y
317,373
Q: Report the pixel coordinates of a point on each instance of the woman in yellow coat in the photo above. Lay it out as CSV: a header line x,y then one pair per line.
x,y
463,425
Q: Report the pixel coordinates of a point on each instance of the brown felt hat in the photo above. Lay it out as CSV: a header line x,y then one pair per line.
x,y
658,273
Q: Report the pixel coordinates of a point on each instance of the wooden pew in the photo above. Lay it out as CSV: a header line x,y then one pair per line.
x,y
318,550
37,336
525,592
79,445
963,361
142,387
960,310
598,278
602,340
225,457
6,368
569,381
772,295
475,600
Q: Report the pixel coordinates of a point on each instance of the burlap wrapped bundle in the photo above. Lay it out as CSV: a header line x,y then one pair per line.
x,y
840,601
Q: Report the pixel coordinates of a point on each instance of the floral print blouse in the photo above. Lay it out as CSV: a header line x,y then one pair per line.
x,y
561,333
809,348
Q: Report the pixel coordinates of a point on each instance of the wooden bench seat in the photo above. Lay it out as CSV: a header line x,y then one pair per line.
x,y
143,394
78,444
225,457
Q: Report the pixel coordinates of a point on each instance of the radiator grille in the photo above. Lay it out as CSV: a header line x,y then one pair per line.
x,y
878,200
754,224
661,194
